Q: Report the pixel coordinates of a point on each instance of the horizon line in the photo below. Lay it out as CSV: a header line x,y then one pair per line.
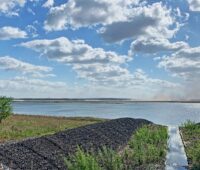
x,y
107,98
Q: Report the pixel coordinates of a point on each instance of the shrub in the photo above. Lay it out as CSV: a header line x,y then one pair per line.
x,y
189,125
191,134
5,108
82,161
105,159
110,159
148,145
194,152
146,148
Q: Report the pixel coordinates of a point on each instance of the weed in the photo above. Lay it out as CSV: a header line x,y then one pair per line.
x,y
82,161
147,147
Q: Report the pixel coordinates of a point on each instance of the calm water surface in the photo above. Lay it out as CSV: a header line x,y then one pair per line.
x,y
161,113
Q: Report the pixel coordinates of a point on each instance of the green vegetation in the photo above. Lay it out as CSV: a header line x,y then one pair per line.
x,y
17,127
83,161
148,146
104,159
191,136
5,108
110,159
146,150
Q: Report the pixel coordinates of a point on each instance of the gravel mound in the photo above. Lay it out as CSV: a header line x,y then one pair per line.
x,y
48,152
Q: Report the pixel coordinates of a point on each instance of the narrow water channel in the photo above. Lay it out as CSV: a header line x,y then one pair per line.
x,y
176,157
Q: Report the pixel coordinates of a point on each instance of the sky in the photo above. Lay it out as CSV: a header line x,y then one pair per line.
x,y
138,49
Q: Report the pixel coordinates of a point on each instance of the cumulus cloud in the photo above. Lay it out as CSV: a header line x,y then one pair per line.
x,y
73,52
104,74
12,64
80,13
7,33
10,7
48,4
116,76
153,45
194,5
184,63
26,87
120,19
91,63
141,78
146,21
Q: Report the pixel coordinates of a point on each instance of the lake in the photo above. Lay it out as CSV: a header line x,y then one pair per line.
x,y
158,112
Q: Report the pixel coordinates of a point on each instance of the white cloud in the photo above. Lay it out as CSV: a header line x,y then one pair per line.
x,y
80,13
104,74
10,7
153,45
12,64
26,87
109,75
94,64
48,4
120,20
7,33
145,21
32,31
101,69
184,63
74,52
90,63
194,5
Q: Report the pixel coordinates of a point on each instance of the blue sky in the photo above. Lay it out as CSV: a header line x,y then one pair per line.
x,y
146,50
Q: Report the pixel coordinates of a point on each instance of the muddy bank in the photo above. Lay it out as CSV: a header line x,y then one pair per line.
x,y
47,152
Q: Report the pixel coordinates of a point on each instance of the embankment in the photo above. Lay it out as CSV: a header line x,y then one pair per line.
x,y
47,152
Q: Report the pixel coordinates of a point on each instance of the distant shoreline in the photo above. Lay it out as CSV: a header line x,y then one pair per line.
x,y
96,100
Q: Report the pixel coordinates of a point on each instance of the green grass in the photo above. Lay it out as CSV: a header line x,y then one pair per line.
x,y
110,159
105,159
146,150
82,161
191,136
17,127
147,147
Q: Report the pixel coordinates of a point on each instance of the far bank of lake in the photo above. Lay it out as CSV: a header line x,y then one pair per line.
x,y
165,113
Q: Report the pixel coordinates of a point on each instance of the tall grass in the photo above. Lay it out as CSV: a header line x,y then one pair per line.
x,y
105,159
82,161
191,136
146,147
194,153
110,159
190,126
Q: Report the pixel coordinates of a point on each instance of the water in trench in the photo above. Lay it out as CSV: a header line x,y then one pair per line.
x,y
176,157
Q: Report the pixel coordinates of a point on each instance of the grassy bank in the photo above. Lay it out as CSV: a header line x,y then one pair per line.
x,y
145,150
191,137
148,147
18,127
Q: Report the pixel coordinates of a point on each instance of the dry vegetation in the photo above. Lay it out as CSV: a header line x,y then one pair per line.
x,y
17,127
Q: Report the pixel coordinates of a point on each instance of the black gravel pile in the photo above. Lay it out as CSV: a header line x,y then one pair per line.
x,y
48,152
